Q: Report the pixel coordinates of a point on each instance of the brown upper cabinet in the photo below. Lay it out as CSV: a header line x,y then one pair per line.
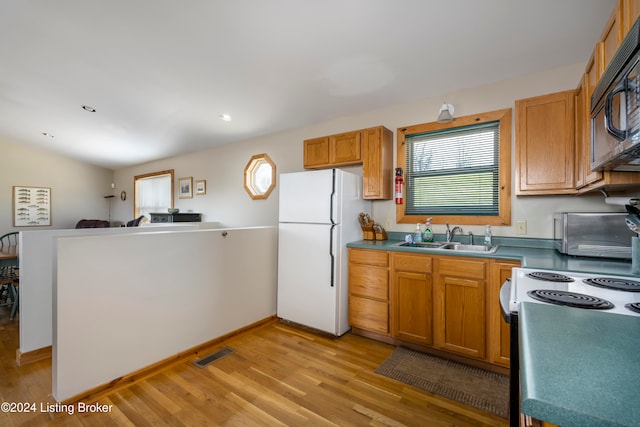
x,y
372,148
630,13
545,147
613,33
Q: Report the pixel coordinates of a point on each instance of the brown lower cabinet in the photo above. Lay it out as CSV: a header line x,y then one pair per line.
x,y
459,305
446,303
412,300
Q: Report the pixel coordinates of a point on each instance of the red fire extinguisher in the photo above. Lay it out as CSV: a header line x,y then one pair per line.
x,y
399,182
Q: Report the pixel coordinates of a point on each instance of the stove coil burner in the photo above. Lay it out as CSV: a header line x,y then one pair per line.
x,y
549,276
570,299
614,283
634,306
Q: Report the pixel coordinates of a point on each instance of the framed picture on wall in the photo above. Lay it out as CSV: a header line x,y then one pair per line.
x,y
185,190
201,187
31,206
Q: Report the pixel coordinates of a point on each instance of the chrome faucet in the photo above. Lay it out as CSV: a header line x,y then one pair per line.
x,y
451,232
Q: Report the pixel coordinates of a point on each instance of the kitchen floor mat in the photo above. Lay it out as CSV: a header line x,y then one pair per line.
x,y
485,390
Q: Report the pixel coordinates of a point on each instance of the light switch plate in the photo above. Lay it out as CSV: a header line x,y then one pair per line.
x,y
521,227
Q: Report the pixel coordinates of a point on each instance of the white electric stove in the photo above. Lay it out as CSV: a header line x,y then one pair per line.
x,y
602,292
596,292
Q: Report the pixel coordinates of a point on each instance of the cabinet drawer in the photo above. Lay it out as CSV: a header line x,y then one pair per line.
x,y
367,281
467,268
369,314
412,262
364,256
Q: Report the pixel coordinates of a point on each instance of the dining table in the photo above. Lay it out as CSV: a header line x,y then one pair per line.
x,y
8,255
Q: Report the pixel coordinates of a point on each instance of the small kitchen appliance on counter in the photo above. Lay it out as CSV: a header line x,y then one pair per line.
x,y
588,291
601,234
318,216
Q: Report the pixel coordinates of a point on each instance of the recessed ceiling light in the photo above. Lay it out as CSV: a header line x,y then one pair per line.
x,y
225,117
88,108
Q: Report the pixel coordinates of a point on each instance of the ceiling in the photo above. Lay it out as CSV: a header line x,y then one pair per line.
x,y
160,72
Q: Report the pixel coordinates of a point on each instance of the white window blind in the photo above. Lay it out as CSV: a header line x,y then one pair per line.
x,y
453,171
153,194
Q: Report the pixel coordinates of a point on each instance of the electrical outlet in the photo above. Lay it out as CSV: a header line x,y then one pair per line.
x,y
387,225
521,227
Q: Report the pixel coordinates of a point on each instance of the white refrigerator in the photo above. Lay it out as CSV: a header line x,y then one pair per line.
x,y
318,217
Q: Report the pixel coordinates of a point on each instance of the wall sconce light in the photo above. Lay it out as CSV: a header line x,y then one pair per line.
x,y
446,113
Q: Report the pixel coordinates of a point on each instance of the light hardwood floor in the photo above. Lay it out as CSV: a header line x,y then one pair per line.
x,y
279,374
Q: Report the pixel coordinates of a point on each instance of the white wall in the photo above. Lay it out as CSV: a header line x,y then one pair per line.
x,y
77,188
126,301
37,257
222,167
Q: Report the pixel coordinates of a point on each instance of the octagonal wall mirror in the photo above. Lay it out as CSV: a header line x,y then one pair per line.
x,y
259,176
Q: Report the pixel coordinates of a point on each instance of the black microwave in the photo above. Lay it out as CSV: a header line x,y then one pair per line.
x,y
615,110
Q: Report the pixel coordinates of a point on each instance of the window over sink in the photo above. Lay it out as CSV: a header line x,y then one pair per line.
x,y
458,172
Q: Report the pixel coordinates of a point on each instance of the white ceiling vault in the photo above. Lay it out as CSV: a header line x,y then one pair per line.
x,y
160,72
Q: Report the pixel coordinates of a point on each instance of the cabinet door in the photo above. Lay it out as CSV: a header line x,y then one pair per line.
x,y
545,148
377,165
631,12
368,314
413,316
498,332
460,306
316,152
612,34
345,148
369,290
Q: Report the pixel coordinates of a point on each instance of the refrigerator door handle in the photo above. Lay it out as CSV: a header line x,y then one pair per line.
x,y
332,255
332,196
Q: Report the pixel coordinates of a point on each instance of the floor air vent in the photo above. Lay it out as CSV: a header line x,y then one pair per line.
x,y
201,363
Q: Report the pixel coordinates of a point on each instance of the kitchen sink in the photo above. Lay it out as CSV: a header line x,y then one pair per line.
x,y
469,248
452,246
428,245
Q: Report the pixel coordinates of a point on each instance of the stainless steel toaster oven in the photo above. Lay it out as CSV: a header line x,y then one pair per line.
x,y
601,234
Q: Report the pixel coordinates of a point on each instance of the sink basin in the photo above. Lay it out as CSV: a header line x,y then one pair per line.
x,y
428,245
453,246
469,248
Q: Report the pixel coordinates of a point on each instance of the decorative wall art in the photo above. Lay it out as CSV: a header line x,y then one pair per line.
x,y
185,190
31,206
201,187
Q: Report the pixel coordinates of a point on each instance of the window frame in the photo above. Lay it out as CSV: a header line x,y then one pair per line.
x,y
504,117
136,213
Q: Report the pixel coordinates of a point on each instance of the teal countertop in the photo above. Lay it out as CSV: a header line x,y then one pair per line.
x,y
579,367
532,253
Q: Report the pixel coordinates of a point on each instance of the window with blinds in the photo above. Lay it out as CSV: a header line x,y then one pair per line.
x,y
153,193
454,171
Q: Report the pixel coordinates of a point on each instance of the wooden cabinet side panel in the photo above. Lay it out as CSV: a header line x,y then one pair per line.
x,y
497,328
377,165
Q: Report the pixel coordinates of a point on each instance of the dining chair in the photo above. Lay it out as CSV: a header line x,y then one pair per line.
x,y
9,239
9,280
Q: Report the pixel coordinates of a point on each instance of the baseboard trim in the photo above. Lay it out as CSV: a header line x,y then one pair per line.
x,y
92,395
33,356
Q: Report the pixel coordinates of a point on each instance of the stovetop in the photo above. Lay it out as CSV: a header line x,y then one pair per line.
x,y
602,292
